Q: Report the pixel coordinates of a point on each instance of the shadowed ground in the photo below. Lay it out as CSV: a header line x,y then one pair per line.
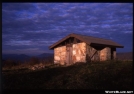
x,y
108,75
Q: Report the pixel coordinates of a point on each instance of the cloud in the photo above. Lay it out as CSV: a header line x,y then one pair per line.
x,y
42,24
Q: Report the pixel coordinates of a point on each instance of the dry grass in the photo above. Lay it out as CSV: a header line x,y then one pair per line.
x,y
108,75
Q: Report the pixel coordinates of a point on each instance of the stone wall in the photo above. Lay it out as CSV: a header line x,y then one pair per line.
x,y
99,55
105,54
114,54
60,55
79,52
92,54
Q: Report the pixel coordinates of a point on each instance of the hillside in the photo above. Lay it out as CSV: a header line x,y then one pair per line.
x,y
45,55
23,57
94,76
125,56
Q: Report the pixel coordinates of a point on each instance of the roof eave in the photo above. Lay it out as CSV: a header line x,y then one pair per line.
x,y
86,41
61,40
117,46
71,35
120,46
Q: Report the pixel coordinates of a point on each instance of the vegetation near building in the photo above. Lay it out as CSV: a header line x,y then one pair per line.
x,y
80,48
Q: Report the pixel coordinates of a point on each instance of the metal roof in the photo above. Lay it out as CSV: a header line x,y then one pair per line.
x,y
89,40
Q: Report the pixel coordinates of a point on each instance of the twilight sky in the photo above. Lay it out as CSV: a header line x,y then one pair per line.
x,y
30,28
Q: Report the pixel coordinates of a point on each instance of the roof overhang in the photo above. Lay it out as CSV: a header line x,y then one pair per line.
x,y
115,46
63,39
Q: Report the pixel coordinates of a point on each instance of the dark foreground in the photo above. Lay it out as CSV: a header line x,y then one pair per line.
x,y
94,76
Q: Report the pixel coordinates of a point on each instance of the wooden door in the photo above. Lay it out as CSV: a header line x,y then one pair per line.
x,y
68,54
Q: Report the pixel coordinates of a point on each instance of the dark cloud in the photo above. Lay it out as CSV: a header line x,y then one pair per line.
x,y
35,26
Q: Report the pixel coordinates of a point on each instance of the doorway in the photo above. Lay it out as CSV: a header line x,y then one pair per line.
x,y
68,54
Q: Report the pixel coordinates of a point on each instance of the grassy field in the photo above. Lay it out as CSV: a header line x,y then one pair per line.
x,y
108,75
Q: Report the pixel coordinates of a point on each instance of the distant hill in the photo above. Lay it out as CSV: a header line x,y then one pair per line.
x,y
21,57
125,56
45,55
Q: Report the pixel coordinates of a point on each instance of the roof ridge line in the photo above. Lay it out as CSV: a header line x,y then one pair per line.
x,y
89,40
92,36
